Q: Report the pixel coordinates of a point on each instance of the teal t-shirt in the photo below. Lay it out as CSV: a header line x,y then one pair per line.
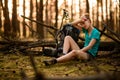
x,y
95,34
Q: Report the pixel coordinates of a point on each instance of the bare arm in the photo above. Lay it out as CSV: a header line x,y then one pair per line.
x,y
92,42
76,24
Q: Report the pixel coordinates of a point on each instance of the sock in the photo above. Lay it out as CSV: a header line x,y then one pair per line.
x,y
64,53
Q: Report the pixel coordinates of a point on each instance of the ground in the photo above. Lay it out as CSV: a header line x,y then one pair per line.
x,y
12,66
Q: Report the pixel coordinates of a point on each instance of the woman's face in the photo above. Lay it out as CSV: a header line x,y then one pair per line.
x,y
86,23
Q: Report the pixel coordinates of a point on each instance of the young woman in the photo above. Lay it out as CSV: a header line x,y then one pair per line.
x,y
92,40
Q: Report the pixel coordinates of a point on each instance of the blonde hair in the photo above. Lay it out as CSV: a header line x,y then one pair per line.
x,y
87,16
84,18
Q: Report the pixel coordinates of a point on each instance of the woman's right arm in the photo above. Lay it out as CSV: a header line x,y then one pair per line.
x,y
76,24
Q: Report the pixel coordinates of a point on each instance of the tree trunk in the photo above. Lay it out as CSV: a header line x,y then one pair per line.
x,y
37,17
51,11
7,26
15,25
40,18
119,18
79,8
93,15
46,19
87,6
102,11
111,20
72,11
97,25
56,10
24,29
0,17
66,4
31,17
106,12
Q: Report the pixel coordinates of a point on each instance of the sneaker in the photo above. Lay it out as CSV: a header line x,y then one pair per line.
x,y
50,62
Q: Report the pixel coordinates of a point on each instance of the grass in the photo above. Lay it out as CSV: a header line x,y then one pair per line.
x,y
11,65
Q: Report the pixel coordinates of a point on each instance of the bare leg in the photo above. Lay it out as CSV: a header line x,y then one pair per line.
x,y
69,43
73,54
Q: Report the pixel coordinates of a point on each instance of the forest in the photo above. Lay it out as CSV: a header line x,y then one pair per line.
x,y
29,27
50,12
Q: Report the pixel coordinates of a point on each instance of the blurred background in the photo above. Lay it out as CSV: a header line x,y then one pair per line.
x,y
50,12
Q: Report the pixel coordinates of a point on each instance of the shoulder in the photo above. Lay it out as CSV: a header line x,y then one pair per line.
x,y
96,31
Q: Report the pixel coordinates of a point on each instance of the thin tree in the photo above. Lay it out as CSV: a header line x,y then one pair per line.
x,y
40,18
15,24
37,15
118,17
46,18
111,20
56,11
51,11
79,8
102,11
46,12
31,13
66,5
101,14
24,28
106,12
97,13
93,15
72,11
0,17
87,6
7,26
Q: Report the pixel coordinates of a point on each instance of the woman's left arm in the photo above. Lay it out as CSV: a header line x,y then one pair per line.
x,y
92,42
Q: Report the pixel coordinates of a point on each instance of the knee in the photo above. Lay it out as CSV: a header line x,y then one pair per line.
x,y
68,37
74,52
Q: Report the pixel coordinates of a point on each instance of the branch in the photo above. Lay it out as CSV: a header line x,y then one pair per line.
x,y
31,28
52,27
117,35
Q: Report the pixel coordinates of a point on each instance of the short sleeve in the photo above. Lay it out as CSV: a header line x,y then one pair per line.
x,y
96,35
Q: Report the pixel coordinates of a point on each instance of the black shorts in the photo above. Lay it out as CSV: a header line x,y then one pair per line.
x,y
90,55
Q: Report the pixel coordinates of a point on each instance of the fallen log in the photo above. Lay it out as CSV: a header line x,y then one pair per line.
x,y
23,45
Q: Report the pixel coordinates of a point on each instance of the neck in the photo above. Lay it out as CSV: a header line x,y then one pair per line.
x,y
90,28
